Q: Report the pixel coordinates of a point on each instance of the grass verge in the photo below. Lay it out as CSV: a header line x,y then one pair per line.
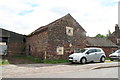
x,y
108,61
107,58
36,60
4,62
55,61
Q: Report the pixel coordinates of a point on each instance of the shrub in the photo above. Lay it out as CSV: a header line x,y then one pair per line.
x,y
3,62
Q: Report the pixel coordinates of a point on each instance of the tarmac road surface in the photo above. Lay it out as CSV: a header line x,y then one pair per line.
x,y
97,73
93,70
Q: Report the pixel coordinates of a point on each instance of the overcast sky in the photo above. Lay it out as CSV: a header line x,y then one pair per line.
x,y
25,16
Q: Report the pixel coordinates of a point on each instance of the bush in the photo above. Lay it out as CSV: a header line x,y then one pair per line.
x,y
3,62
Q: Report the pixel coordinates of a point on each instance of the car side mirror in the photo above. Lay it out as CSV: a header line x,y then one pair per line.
x,y
87,53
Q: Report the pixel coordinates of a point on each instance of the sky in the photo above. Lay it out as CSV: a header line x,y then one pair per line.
x,y
25,16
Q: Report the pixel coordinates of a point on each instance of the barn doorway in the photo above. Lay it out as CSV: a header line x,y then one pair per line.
x,y
29,48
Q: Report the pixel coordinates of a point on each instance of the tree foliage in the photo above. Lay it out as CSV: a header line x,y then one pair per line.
x,y
100,35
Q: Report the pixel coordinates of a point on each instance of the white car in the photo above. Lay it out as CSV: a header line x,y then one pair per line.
x,y
115,55
3,50
88,55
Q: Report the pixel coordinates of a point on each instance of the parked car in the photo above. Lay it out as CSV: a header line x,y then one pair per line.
x,y
87,55
3,50
115,55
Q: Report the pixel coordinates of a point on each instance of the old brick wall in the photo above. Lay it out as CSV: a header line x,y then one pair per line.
x,y
57,37
16,48
46,44
108,51
16,44
37,44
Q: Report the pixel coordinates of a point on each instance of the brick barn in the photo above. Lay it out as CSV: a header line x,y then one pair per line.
x,y
56,40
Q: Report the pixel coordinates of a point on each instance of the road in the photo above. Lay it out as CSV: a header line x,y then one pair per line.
x,y
97,73
61,71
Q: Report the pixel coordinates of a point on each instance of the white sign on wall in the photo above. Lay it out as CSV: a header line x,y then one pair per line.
x,y
60,50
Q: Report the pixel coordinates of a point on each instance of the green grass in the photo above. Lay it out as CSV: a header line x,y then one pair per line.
x,y
108,61
107,58
55,61
36,60
4,62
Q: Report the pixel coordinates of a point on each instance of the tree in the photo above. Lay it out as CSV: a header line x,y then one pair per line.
x,y
100,35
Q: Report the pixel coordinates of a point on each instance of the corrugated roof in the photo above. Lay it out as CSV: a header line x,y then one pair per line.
x,y
96,41
6,33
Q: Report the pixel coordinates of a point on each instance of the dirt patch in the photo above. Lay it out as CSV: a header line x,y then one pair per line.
x,y
13,60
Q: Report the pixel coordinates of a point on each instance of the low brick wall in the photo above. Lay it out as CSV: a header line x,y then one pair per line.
x,y
108,51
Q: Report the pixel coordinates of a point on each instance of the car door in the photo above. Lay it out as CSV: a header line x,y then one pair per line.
x,y
90,55
97,55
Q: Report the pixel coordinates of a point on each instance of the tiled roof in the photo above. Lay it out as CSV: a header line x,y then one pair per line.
x,y
96,41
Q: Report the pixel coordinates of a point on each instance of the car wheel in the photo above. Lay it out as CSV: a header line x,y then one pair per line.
x,y
111,59
102,59
72,62
83,60
118,59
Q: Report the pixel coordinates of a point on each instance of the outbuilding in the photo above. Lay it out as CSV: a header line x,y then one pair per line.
x,y
15,42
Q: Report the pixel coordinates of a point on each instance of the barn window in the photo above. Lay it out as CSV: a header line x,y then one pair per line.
x,y
69,31
60,50
118,40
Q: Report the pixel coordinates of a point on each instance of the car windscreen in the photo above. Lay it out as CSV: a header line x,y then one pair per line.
x,y
79,50
118,51
83,50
